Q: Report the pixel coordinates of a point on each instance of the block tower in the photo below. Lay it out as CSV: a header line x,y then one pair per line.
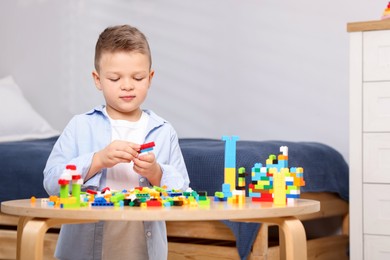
x,y
70,176
230,160
386,12
275,182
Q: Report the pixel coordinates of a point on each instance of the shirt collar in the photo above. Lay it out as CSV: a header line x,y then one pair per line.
x,y
155,120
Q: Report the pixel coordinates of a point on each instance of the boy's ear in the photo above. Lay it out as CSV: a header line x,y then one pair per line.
x,y
96,79
151,74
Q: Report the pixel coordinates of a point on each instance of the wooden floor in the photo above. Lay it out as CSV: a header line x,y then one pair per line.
x,y
331,248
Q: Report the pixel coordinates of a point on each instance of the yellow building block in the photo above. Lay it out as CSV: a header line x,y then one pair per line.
x,y
230,177
70,200
285,172
279,189
272,170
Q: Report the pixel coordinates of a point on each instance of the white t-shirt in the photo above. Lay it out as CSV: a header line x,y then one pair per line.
x,y
122,175
125,239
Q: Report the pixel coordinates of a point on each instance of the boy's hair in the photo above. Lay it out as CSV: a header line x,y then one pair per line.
x,y
121,38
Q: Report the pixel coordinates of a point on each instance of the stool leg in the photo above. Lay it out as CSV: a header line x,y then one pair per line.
x,y
32,237
21,223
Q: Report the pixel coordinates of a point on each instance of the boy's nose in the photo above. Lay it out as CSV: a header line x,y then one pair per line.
x,y
127,86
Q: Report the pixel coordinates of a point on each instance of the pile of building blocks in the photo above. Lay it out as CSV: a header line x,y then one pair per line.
x,y
136,197
274,182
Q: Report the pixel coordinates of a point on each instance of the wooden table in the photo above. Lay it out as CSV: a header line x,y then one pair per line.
x,y
37,219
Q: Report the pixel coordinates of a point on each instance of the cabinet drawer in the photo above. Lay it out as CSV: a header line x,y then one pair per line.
x,y
376,247
376,158
376,55
376,107
376,209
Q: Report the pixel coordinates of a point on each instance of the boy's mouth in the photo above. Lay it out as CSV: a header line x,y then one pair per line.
x,y
127,97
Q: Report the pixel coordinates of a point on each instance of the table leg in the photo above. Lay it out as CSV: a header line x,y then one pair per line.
x,y
31,241
31,235
292,236
292,239
22,222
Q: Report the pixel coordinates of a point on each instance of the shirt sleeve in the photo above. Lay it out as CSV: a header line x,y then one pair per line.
x,y
174,171
67,150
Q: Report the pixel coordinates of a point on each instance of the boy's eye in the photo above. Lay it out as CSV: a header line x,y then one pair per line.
x,y
114,80
138,79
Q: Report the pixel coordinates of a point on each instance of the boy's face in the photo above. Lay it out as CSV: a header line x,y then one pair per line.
x,y
124,78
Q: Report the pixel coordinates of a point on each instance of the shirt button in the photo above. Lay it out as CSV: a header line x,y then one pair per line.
x,y
148,234
142,180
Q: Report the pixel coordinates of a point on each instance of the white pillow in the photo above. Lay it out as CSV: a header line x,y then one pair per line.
x,y
18,119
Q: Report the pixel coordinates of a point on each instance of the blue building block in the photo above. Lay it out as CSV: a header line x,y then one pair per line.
x,y
230,150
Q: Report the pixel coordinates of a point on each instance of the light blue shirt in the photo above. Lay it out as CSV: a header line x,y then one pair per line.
x,y
88,133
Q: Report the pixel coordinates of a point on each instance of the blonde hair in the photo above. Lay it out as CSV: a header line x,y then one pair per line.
x,y
121,38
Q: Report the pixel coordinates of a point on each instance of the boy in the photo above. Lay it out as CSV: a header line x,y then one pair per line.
x,y
104,144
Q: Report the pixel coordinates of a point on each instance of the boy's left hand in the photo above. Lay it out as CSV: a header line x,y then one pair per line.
x,y
147,166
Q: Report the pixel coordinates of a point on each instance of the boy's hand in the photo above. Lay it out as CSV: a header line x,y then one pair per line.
x,y
117,152
147,166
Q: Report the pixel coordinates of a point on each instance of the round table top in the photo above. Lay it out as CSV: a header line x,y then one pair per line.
x,y
215,211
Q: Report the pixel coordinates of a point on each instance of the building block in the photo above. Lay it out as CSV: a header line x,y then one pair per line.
x,y
230,160
279,188
147,147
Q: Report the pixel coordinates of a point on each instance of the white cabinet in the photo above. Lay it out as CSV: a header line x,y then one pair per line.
x,y
376,158
376,247
369,62
376,106
376,211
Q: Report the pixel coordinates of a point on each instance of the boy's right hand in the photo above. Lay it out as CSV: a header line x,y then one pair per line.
x,y
117,152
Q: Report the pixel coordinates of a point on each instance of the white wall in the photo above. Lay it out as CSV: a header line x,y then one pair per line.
x,y
260,69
